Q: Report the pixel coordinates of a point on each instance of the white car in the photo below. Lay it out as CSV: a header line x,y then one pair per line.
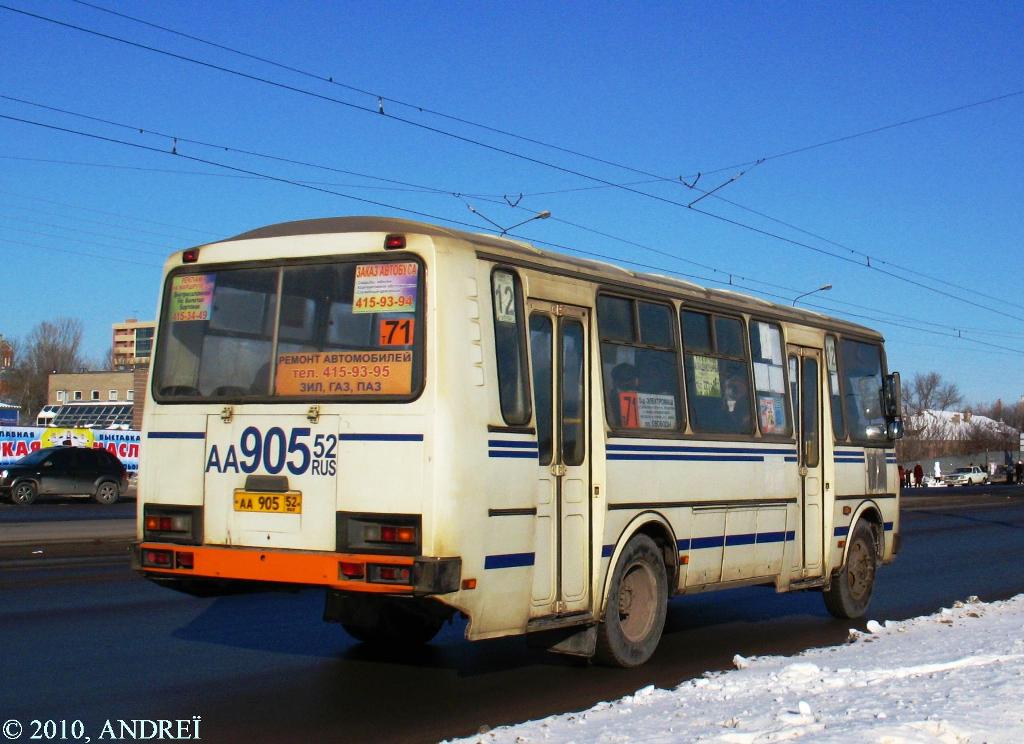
x,y
966,477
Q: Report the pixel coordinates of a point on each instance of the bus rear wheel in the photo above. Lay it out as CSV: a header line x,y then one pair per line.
x,y
637,603
851,588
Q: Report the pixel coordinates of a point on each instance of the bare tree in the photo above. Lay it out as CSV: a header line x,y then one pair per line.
x,y
52,346
928,392
928,433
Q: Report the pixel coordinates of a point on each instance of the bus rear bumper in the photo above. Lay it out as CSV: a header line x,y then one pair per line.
x,y
370,574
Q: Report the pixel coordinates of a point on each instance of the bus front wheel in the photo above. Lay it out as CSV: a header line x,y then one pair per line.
x,y
851,588
637,603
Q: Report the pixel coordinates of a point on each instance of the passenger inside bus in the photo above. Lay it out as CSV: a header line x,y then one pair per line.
x,y
736,404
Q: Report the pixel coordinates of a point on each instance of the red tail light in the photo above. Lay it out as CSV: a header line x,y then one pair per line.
x,y
389,574
157,558
351,570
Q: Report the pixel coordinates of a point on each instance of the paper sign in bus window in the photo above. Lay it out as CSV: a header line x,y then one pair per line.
x,y
706,377
646,411
192,297
656,411
344,373
385,287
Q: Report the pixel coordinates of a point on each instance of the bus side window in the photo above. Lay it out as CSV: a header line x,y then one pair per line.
x,y
639,364
835,397
717,374
769,378
509,346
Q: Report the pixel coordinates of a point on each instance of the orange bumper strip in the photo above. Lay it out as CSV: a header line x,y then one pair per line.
x,y
279,566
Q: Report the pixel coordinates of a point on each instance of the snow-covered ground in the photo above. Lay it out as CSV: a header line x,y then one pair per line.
x,y
955,676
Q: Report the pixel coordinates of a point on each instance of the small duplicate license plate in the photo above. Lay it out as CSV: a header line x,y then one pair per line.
x,y
289,502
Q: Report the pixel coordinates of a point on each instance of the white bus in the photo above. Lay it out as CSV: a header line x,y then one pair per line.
x,y
430,423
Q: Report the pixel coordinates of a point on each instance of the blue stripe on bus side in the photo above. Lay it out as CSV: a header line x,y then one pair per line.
x,y
380,437
717,541
511,443
503,453
720,450
701,458
844,531
510,560
176,435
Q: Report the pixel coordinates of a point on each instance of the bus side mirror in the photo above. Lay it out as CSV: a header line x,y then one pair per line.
x,y
891,396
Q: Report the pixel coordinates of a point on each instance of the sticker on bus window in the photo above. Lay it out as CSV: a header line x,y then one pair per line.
x,y
385,287
344,373
771,415
396,332
646,411
629,415
192,297
706,377
504,298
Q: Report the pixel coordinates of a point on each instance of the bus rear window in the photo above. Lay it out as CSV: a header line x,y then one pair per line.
x,y
345,329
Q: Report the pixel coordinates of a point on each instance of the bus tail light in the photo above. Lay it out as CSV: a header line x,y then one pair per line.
x,y
349,570
389,533
389,574
394,242
184,559
380,534
178,524
158,558
190,256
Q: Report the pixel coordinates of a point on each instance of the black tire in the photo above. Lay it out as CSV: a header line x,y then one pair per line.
x,y
107,493
635,609
24,493
850,593
397,625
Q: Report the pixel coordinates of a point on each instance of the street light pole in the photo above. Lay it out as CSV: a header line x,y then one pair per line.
x,y
822,288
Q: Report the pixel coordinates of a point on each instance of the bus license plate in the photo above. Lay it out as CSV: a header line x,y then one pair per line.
x,y
289,502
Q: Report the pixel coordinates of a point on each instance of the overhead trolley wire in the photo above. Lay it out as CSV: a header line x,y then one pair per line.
x,y
495,148
640,171
329,79
733,276
430,189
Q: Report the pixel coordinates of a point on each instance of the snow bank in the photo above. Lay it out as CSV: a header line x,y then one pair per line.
x,y
955,676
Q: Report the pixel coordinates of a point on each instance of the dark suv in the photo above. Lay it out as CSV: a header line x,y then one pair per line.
x,y
58,471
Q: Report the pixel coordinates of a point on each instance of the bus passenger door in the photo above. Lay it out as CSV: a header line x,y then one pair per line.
x,y
560,364
805,379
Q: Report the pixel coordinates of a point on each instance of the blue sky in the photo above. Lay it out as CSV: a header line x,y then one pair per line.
x,y
669,89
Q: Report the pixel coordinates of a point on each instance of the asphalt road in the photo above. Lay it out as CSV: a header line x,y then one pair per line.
x,y
87,639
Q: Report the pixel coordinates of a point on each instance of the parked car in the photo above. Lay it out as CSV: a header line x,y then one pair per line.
x,y
63,471
966,477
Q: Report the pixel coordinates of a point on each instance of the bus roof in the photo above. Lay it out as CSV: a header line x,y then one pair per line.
x,y
521,252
